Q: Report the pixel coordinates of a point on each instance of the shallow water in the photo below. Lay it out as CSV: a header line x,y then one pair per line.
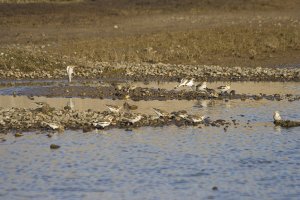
x,y
248,161
28,87
154,163
251,160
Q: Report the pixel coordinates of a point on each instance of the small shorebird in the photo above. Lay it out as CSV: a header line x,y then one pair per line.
x,y
161,113
182,114
106,121
127,106
133,119
182,83
277,116
70,71
114,109
195,118
52,125
190,83
41,104
201,86
224,88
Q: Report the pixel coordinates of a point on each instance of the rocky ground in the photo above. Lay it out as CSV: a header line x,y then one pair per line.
x,y
142,40
160,71
202,39
118,91
49,119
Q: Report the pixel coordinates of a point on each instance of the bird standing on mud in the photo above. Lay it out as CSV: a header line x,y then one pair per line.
x,y
132,119
182,83
201,86
114,109
190,83
160,113
70,71
185,82
224,88
276,116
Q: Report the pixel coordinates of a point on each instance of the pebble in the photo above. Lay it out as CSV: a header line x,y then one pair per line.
x,y
215,188
54,146
39,119
18,135
167,72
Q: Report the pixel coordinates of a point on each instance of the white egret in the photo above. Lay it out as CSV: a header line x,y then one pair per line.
x,y
70,71
276,116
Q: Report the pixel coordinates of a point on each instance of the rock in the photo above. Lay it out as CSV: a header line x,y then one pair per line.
x,y
18,135
214,188
54,146
86,129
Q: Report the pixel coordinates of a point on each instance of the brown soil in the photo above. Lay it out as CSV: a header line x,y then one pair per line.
x,y
221,32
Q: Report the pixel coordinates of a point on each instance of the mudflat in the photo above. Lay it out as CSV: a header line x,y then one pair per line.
x,y
43,37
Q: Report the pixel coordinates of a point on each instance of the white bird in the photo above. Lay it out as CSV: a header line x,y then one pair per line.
x,y
114,109
54,126
276,116
103,122
182,83
224,88
190,83
133,119
201,86
70,71
196,118
183,115
161,113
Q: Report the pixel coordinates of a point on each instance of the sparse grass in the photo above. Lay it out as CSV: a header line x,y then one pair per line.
x,y
233,45
198,46
38,1
83,33
28,61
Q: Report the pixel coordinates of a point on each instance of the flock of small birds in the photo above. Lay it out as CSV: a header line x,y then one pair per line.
x,y
191,83
202,86
134,118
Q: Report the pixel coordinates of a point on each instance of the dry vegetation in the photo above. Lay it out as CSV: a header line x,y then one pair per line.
x,y
227,33
37,1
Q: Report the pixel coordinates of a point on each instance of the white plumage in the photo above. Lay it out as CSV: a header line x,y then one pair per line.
x,y
276,116
70,71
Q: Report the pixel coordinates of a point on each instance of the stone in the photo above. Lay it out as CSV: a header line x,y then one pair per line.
x,y
54,146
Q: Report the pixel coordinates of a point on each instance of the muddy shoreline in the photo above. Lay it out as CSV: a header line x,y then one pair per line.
x,y
139,93
50,119
134,37
146,41
160,72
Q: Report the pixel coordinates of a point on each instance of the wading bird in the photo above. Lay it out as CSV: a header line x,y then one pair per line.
x,y
102,123
190,83
182,83
132,119
70,71
201,86
277,116
224,88
114,109
196,118
161,113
